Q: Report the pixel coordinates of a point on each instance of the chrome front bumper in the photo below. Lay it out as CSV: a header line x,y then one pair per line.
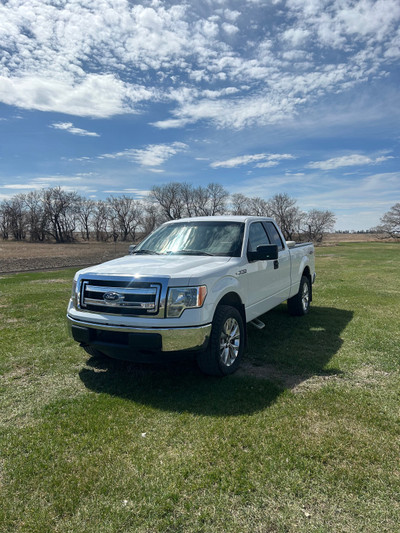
x,y
172,339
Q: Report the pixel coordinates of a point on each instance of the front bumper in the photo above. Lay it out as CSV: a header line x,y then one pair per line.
x,y
127,338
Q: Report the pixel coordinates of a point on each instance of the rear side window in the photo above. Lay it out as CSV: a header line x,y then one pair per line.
x,y
274,235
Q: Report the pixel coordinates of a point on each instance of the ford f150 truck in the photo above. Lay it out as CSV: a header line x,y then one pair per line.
x,y
191,285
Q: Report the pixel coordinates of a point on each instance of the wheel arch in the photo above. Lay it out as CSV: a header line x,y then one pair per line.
x,y
307,274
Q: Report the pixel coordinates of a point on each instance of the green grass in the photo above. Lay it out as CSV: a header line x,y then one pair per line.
x,y
305,439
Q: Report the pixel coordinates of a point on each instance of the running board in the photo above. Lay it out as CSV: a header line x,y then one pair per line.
x,y
257,323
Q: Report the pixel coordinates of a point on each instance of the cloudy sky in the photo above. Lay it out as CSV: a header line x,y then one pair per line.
x,y
262,96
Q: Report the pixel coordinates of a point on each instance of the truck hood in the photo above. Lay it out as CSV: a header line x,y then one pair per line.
x,y
181,269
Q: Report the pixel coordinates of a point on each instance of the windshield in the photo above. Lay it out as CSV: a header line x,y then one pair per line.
x,y
195,238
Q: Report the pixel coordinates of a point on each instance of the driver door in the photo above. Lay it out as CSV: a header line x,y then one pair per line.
x,y
265,279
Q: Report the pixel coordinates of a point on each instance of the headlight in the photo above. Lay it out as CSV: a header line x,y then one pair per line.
x,y
181,298
73,293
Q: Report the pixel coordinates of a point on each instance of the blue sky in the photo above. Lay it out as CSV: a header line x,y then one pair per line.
x,y
262,96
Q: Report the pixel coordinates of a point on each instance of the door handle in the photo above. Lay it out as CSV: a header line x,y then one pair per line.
x,y
276,264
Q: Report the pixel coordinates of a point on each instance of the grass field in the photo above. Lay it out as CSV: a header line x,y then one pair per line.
x,y
306,438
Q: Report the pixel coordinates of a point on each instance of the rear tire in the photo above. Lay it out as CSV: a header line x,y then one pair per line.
x,y
226,345
299,304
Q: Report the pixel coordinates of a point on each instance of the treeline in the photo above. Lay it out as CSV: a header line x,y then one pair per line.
x,y
63,216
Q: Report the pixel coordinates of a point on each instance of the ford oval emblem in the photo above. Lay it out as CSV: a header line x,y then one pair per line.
x,y
113,298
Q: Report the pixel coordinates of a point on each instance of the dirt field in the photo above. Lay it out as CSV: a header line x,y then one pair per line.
x,y
334,238
28,257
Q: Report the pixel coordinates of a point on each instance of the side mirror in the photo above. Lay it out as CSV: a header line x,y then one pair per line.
x,y
265,252
131,248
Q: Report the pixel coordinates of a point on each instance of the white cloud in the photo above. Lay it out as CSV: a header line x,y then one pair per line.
x,y
218,93
280,157
346,161
23,186
238,161
70,128
171,123
367,17
57,179
94,96
139,193
231,15
153,155
109,57
258,110
67,183
84,158
230,29
296,36
336,23
267,164
261,160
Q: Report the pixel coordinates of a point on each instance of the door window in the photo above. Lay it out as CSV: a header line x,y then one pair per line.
x,y
257,236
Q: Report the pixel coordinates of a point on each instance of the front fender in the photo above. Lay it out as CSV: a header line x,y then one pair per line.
x,y
222,287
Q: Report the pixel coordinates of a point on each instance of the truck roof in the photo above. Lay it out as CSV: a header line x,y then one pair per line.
x,y
221,218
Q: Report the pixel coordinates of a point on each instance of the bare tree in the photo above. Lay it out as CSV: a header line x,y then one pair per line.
x,y
218,197
101,221
4,221
169,197
125,214
61,211
201,200
240,204
316,223
151,217
57,213
114,227
178,200
189,199
210,200
14,210
85,214
36,216
288,216
258,206
390,222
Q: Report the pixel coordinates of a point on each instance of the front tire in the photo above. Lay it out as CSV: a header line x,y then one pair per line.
x,y
299,304
94,352
226,345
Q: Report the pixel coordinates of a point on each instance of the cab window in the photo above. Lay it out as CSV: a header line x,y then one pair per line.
x,y
257,236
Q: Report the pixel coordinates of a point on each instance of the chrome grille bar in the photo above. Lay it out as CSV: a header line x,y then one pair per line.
x,y
121,299
141,305
124,290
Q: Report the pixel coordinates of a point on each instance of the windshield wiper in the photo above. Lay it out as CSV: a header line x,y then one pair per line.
x,y
191,252
147,252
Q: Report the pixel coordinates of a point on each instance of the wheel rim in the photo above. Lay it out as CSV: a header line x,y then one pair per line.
x,y
305,297
229,342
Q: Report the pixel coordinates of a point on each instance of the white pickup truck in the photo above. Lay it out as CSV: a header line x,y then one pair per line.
x,y
191,285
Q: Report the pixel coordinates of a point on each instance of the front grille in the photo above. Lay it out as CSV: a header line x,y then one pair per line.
x,y
120,297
